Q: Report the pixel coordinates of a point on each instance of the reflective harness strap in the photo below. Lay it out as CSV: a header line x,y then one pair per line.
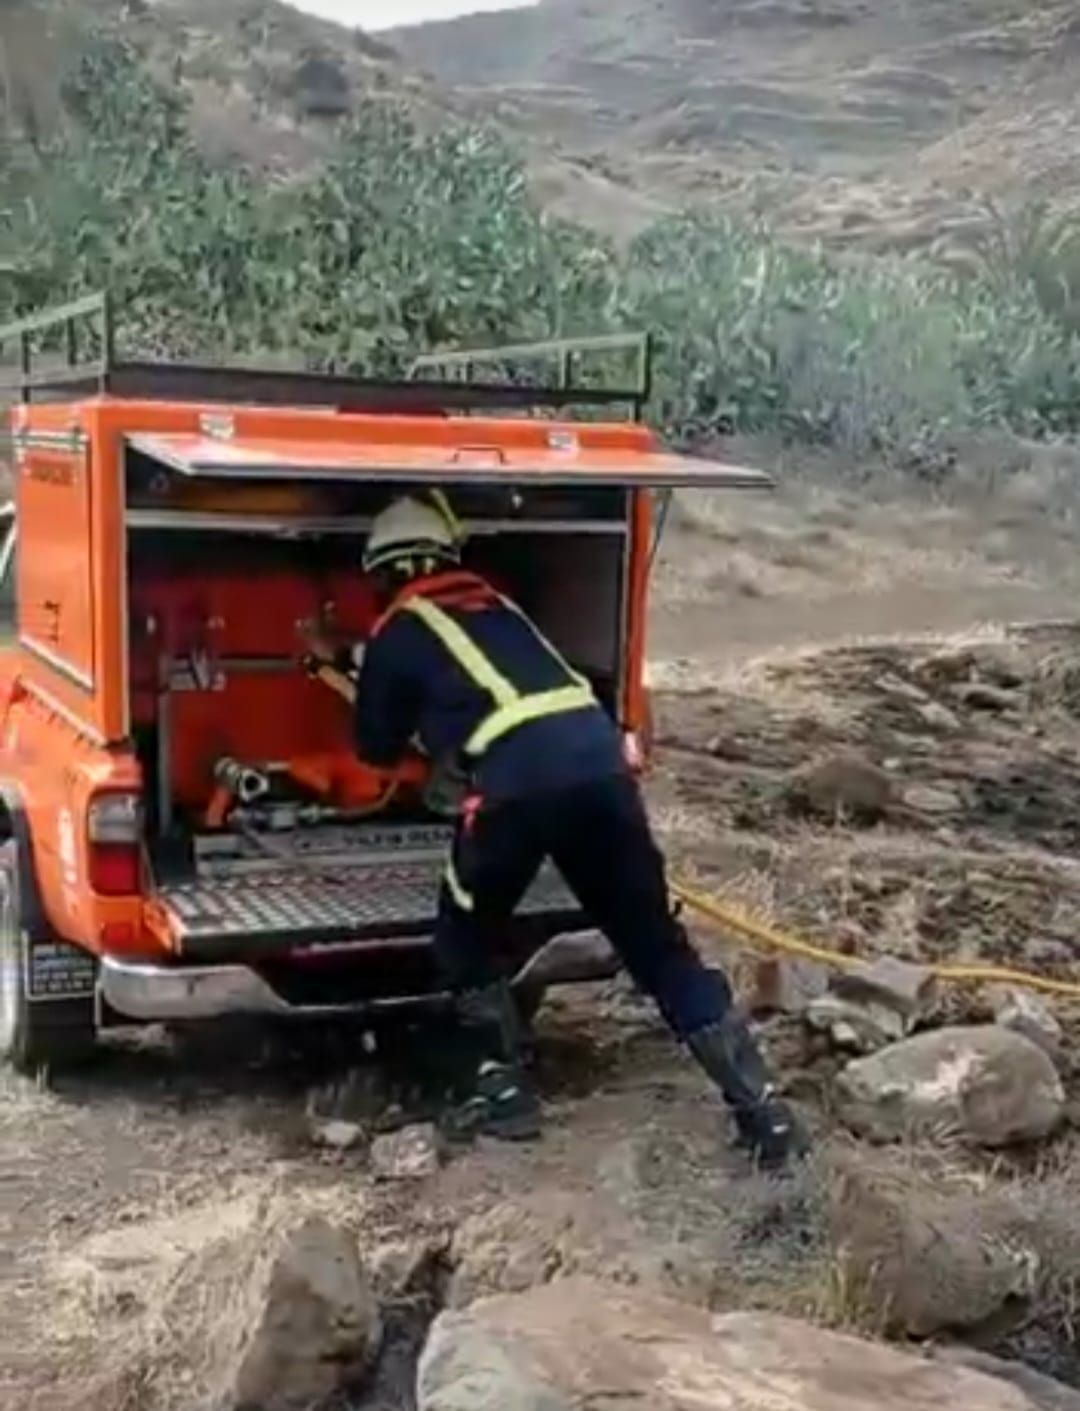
x,y
512,707
463,898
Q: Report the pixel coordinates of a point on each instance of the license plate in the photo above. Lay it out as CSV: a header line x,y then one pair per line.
x,y
405,837
56,970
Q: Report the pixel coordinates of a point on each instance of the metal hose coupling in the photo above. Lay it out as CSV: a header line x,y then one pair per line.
x,y
244,782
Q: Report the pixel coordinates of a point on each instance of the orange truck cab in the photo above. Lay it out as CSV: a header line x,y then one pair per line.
x,y
186,831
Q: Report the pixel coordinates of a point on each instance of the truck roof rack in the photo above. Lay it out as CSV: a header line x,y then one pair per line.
x,y
80,338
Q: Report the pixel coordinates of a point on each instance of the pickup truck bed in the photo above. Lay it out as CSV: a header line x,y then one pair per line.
x,y
343,885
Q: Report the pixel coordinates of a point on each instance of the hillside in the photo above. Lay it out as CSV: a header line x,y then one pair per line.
x,y
853,120
883,125
267,84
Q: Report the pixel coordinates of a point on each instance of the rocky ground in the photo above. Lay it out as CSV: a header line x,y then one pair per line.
x,y
240,1218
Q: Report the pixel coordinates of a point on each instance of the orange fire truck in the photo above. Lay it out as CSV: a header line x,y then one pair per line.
x,y
186,830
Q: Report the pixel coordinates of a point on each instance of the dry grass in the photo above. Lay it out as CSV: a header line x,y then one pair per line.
x,y
809,539
792,1257
143,1306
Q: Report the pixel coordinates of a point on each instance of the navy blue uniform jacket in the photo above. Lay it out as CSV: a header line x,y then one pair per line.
x,y
411,684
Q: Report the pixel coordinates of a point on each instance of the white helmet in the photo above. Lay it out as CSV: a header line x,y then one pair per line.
x,y
410,528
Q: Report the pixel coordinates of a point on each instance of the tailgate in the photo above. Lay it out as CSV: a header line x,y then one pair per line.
x,y
370,886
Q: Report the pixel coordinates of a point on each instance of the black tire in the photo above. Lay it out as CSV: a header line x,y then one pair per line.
x,y
41,1034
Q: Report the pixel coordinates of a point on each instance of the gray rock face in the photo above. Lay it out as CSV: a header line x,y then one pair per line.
x,y
984,1084
411,1154
908,989
242,1304
579,1346
1025,1013
307,1320
873,1003
859,1026
922,1257
1045,1393
787,985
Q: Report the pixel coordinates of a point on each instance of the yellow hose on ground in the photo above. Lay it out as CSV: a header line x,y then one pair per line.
x,y
741,923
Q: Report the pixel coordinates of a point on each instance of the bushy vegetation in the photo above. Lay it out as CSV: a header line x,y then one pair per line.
x,y
407,240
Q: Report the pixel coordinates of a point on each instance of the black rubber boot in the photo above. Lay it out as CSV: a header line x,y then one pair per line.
x,y
766,1126
502,1103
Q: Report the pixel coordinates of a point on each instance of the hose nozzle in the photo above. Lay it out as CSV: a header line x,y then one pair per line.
x,y
243,782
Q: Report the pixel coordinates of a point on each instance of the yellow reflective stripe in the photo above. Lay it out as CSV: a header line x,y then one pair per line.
x,y
464,651
512,708
524,709
462,898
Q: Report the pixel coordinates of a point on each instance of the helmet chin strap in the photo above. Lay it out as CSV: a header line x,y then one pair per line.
x,y
412,567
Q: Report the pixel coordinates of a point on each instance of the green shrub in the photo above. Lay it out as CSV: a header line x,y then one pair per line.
x,y
407,240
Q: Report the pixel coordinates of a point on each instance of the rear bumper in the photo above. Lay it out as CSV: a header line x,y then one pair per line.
x,y
157,993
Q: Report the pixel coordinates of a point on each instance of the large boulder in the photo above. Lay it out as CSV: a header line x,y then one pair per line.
x,y
920,1256
1046,1393
579,1346
304,1325
245,1303
983,1084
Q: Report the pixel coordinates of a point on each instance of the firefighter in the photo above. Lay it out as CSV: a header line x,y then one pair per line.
x,y
457,664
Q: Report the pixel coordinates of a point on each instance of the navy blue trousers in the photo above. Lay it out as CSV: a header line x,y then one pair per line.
x,y
598,835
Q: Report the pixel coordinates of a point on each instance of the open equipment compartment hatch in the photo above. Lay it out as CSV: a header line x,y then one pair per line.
x,y
219,576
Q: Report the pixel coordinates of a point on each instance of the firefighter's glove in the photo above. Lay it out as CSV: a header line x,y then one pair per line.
x,y
345,662
313,664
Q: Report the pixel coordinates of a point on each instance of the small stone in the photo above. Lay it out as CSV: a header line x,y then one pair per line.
x,y
926,798
1042,951
938,717
856,1026
729,748
979,696
411,1154
842,785
337,1136
407,1268
1025,1013
785,985
909,990
949,664
900,690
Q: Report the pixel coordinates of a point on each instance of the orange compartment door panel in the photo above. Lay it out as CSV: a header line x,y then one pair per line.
x,y
55,583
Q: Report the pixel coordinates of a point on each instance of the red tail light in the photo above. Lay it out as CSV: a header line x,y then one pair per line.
x,y
114,844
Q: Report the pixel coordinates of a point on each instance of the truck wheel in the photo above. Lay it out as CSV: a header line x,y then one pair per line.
x,y
34,1033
